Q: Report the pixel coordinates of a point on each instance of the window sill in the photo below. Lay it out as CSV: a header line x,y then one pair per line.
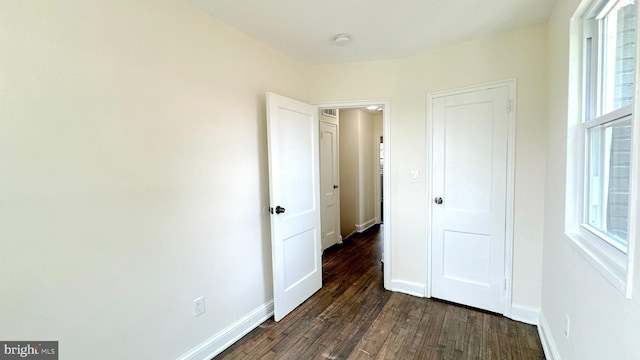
x,y
610,263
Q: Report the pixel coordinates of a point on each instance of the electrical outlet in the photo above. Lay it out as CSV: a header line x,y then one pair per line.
x,y
566,325
198,306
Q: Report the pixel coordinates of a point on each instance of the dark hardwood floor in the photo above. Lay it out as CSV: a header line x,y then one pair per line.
x,y
353,317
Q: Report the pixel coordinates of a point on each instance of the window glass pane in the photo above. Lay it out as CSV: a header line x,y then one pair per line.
x,y
618,56
608,173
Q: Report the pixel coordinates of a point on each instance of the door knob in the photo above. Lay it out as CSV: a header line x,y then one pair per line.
x,y
279,209
438,200
336,186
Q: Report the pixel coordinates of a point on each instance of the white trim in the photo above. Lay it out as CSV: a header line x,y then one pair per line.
x,y
609,117
407,287
595,252
366,225
377,193
232,333
548,344
634,187
429,128
510,207
350,235
386,133
525,314
510,196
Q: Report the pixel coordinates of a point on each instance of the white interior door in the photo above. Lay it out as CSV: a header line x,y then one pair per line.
x,y
329,184
294,184
469,165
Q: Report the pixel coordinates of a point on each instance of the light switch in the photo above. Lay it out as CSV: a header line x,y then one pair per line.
x,y
415,176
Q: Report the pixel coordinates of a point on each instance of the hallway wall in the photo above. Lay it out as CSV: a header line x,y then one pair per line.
x,y
357,170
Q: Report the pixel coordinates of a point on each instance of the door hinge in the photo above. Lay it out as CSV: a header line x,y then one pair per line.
x,y
509,105
505,284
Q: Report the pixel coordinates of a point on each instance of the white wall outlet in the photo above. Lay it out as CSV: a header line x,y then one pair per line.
x,y
198,306
566,325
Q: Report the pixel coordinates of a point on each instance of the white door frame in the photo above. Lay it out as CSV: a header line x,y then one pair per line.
x,y
511,134
386,176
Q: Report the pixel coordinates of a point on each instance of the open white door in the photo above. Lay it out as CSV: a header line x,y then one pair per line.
x,y
470,172
329,184
294,184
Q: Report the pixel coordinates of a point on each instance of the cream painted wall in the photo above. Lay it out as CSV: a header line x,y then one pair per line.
x,y
357,170
604,325
349,169
133,174
367,173
519,54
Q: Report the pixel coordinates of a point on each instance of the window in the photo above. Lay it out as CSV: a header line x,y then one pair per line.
x,y
607,195
604,173
610,48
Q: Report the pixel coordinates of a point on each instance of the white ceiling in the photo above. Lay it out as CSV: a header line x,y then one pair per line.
x,y
380,29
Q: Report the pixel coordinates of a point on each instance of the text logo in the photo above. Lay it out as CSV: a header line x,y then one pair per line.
x,y
30,350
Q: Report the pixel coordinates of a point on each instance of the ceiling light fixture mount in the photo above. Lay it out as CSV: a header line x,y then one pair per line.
x,y
342,39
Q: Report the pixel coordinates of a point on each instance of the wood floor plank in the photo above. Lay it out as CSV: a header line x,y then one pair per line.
x,y
353,317
381,327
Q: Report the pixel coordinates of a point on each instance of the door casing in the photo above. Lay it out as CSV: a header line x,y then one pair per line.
x,y
511,84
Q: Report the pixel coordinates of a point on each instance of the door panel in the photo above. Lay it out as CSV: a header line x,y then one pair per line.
x,y
295,152
299,259
467,169
470,142
329,184
294,185
466,257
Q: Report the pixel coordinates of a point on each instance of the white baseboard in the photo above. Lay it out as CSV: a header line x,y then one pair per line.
x,y
365,225
232,333
350,235
525,314
409,288
548,344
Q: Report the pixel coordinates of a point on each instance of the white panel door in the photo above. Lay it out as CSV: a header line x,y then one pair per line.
x,y
294,185
470,141
329,184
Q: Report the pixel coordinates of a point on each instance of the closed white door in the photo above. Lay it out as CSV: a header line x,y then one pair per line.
x,y
294,185
469,187
329,184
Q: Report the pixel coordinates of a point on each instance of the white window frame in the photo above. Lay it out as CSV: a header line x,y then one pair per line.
x,y
611,261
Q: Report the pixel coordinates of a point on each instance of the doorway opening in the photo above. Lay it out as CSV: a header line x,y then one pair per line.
x,y
372,184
